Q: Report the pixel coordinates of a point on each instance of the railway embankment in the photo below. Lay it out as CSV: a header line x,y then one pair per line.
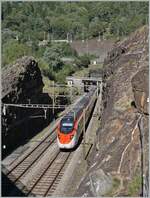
x,y
119,162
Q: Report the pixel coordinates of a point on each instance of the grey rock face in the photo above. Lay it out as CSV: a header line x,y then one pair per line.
x,y
118,144
100,183
21,80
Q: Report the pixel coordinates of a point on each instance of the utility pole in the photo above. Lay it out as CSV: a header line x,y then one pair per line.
x,y
53,99
97,88
17,37
68,37
71,38
4,110
29,100
71,93
44,35
99,39
29,38
100,93
48,37
87,47
82,36
51,36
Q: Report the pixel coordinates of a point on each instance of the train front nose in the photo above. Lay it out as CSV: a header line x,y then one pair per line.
x,y
65,138
69,145
66,133
67,142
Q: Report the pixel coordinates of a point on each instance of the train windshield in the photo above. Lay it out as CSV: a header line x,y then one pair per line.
x,y
66,125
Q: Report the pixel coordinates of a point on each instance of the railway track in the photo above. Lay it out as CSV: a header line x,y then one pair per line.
x,y
46,180
40,169
45,183
20,167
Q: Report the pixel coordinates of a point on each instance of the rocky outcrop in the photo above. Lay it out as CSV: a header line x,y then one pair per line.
x,y
21,81
141,96
140,90
22,84
119,149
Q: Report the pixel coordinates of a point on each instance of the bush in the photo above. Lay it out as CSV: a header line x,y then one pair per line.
x,y
13,50
83,61
52,56
46,70
65,49
67,70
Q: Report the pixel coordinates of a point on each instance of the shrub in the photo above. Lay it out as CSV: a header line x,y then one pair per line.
x,y
13,50
83,61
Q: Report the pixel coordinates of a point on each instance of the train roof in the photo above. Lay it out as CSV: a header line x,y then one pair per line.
x,y
78,107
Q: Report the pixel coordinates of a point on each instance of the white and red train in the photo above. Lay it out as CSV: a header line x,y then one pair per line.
x,y
70,126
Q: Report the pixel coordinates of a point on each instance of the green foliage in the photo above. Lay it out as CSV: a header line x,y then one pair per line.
x,y
83,61
134,186
52,56
46,70
67,70
78,18
13,50
25,24
59,75
66,49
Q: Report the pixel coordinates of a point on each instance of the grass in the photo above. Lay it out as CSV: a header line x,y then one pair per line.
x,y
134,186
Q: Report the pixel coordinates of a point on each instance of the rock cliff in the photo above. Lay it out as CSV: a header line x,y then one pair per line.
x,y
121,148
22,83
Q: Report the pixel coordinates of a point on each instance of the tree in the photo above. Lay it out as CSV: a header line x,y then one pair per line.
x,y
52,56
13,50
83,61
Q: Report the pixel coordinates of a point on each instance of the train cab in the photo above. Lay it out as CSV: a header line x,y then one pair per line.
x,y
66,133
66,125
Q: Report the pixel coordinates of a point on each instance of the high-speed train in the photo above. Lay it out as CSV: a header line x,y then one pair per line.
x,y
70,126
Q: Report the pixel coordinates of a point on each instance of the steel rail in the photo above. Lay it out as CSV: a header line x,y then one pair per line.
x,y
55,178
37,147
27,167
41,176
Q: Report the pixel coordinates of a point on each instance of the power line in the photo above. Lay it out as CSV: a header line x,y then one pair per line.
x,y
34,106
